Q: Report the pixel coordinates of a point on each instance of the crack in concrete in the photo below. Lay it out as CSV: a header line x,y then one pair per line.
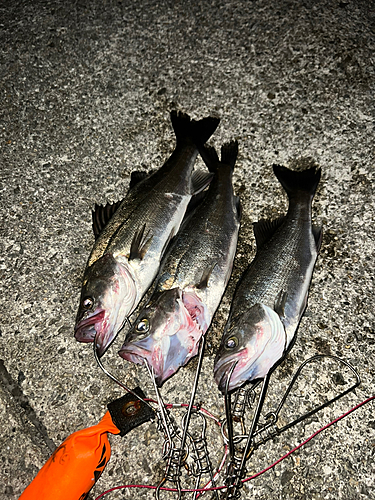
x,y
20,402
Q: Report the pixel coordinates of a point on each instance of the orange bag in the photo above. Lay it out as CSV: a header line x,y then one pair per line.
x,y
76,465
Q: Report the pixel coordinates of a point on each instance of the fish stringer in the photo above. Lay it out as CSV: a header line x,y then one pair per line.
x,y
236,470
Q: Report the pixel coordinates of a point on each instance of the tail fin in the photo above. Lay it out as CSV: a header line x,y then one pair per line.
x,y
298,183
229,152
198,131
210,158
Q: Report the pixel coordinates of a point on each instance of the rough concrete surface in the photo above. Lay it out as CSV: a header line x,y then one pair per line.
x,y
86,89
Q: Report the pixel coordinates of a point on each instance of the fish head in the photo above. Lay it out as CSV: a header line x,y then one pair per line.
x,y
108,296
250,347
164,334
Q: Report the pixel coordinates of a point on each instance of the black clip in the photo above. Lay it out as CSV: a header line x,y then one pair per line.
x,y
128,412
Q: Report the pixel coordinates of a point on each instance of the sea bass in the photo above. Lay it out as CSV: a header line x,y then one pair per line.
x,y
131,236
193,278
271,296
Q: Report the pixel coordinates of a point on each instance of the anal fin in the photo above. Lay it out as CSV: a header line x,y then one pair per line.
x,y
200,180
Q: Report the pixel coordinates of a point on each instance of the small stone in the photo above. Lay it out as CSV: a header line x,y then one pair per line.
x,y
94,390
9,490
286,477
338,379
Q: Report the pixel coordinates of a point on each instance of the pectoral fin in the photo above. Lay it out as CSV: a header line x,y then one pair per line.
x,y
205,277
140,244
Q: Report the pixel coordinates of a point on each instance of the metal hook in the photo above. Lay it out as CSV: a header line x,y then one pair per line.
x,y
172,470
162,410
269,430
228,406
176,456
243,397
236,469
200,454
173,476
193,393
112,377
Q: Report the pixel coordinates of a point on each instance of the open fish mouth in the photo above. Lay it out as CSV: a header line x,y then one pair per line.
x,y
110,285
134,354
223,371
176,327
140,356
166,355
85,330
245,366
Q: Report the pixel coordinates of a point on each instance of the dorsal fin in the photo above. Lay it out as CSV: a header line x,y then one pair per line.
x,y
138,176
101,215
265,229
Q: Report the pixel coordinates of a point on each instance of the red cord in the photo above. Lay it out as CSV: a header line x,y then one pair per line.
x,y
309,439
255,475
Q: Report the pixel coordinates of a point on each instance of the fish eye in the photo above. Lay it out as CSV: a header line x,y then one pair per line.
x,y
87,303
143,326
231,343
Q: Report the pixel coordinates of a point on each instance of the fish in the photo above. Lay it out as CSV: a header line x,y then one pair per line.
x,y
131,235
193,277
271,295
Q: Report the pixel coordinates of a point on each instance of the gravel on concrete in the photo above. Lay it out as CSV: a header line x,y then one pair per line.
x,y
86,89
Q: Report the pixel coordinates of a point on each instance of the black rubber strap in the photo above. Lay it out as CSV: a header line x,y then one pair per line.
x,y
128,412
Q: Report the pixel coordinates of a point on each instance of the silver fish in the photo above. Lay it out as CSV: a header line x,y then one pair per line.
x,y
271,296
193,279
132,235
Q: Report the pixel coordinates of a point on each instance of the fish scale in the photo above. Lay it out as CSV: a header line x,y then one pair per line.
x,y
150,216
211,242
266,280
272,294
194,276
132,236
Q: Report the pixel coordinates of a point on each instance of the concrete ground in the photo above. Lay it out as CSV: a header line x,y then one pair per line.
x,y
86,89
